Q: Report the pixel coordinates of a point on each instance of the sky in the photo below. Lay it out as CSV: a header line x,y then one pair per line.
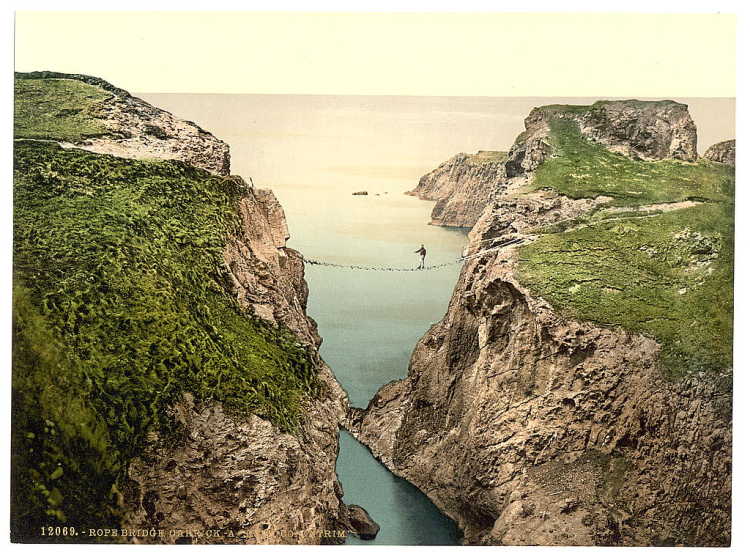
x,y
472,54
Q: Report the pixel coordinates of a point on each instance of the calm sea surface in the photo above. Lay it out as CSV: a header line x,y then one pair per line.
x,y
314,151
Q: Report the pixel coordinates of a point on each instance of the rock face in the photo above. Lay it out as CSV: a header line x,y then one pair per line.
x,y
722,152
529,428
222,478
138,130
243,475
462,187
645,130
637,129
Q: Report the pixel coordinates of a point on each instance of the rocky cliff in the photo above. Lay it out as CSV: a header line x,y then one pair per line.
x,y
241,475
462,187
722,152
638,129
576,391
166,375
126,126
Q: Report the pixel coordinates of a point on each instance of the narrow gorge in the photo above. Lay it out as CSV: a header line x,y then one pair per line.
x,y
169,384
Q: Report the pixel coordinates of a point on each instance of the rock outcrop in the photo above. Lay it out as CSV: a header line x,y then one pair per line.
x,y
721,152
526,427
637,129
138,130
361,523
643,129
462,187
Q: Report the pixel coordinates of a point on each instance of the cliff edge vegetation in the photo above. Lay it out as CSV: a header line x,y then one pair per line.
x,y
647,259
122,304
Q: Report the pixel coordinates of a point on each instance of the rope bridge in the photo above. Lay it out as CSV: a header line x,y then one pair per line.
x,y
459,260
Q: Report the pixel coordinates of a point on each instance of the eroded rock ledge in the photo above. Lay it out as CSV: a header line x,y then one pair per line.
x,y
138,130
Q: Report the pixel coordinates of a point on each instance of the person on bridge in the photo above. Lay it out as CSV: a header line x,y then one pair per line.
x,y
422,253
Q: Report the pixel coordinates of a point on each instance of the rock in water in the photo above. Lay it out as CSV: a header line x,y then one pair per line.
x,y
361,523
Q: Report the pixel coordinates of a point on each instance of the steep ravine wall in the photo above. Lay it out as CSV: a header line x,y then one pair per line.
x,y
243,476
220,477
529,428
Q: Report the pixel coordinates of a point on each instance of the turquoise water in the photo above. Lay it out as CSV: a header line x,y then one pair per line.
x,y
314,151
370,322
405,515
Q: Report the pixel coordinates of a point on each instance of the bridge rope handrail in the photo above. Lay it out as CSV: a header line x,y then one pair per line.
x,y
458,260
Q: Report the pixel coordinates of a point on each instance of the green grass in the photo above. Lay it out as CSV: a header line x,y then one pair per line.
x,y
57,109
486,156
583,169
121,305
668,275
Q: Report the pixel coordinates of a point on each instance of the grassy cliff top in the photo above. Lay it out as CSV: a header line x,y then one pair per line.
x,y
488,156
120,306
57,109
668,275
582,168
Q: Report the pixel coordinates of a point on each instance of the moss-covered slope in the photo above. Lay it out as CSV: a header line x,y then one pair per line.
x,y
121,304
581,168
58,109
664,274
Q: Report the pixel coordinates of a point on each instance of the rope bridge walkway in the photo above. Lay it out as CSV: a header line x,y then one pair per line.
x,y
459,260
